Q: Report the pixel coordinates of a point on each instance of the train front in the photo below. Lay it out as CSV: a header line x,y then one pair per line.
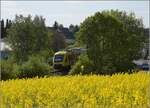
x,y
59,62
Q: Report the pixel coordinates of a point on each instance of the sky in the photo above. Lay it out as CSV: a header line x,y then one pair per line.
x,y
71,12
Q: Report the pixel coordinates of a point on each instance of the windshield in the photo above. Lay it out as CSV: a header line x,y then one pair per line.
x,y
58,58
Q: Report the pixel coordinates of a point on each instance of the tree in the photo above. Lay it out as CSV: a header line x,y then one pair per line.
x,y
5,28
146,46
60,27
8,23
73,28
58,41
27,37
42,40
76,28
2,29
56,25
111,43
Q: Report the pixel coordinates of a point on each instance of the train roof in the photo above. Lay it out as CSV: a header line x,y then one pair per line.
x,y
61,52
71,51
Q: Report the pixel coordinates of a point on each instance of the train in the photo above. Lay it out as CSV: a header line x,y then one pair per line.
x,y
65,59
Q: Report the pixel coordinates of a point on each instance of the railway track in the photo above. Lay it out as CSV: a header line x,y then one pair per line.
x,y
59,73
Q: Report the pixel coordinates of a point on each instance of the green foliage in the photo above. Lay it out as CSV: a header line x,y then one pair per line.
x,y
58,41
45,55
35,66
8,69
2,28
27,37
113,40
82,66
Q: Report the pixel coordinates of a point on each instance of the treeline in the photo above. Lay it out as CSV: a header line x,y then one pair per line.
x,y
4,26
68,32
60,33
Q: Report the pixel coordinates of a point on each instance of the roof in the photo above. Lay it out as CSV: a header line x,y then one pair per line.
x,y
65,31
141,61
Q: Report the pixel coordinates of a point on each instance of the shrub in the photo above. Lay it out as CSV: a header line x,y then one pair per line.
x,y
85,66
82,66
35,66
8,69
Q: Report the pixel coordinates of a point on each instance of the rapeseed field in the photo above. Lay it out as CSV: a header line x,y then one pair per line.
x,y
93,91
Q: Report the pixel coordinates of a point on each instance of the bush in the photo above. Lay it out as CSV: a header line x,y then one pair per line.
x,y
8,69
45,55
82,66
35,66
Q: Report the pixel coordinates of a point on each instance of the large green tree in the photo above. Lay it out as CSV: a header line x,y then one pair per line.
x,y
2,28
113,40
27,37
58,41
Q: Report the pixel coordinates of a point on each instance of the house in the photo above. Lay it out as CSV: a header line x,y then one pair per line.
x,y
69,36
4,49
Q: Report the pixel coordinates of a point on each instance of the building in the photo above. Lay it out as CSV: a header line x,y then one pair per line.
x,y
4,49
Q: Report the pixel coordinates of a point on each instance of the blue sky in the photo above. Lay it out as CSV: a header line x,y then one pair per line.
x,y
71,12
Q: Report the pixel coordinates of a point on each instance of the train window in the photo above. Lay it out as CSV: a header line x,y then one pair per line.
x,y
58,58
